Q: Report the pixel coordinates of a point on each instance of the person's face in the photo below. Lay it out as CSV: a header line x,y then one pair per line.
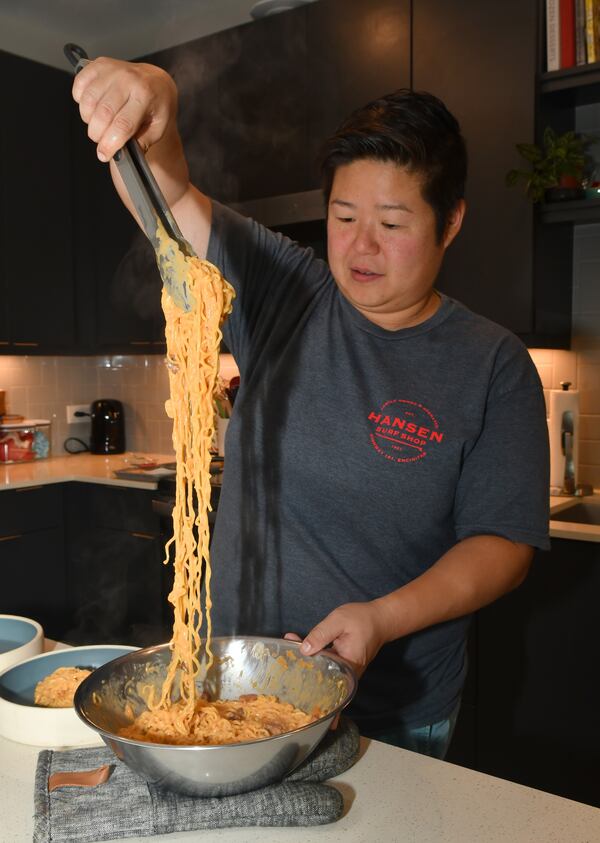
x,y
382,245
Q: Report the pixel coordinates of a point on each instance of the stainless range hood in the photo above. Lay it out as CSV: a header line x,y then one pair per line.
x,y
288,209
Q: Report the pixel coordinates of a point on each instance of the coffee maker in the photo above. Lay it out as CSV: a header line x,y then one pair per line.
x,y
108,427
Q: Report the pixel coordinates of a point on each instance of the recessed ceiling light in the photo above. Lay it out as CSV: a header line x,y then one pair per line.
x,y
272,7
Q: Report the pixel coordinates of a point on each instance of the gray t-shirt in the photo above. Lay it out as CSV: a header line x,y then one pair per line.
x,y
357,456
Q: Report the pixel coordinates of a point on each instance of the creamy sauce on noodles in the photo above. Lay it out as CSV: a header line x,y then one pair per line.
x,y
58,688
221,722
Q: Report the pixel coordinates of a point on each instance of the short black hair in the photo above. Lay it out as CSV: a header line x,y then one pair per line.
x,y
413,129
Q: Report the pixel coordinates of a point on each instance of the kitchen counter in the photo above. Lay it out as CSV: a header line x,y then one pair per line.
x,y
83,468
390,795
96,468
567,530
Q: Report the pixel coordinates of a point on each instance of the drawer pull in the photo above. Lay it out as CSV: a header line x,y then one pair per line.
x,y
143,536
10,538
32,344
4,342
140,342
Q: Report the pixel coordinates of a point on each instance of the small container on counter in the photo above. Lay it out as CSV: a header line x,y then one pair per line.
x,y
25,441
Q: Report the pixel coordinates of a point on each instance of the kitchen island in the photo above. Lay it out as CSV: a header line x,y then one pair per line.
x,y
390,795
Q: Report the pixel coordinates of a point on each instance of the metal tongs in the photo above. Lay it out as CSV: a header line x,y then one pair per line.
x,y
150,205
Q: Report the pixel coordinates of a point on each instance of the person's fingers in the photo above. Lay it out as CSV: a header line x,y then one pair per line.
x,y
291,636
335,723
112,134
92,83
119,101
320,636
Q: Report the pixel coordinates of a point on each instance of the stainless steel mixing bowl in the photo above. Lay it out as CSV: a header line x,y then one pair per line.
x,y
242,665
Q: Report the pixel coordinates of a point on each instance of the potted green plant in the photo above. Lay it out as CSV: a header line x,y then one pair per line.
x,y
557,167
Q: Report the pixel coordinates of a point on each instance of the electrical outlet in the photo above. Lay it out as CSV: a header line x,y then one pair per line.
x,y
73,408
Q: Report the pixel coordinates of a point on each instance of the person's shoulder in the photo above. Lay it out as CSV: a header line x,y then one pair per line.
x,y
229,225
482,330
485,343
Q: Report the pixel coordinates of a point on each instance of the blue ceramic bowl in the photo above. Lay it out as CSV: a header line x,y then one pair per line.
x,y
20,638
23,721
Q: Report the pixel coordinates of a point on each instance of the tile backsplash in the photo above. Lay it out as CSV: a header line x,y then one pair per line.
x,y
581,366
41,388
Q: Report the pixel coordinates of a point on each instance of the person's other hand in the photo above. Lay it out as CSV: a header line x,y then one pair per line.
x,y
356,632
119,100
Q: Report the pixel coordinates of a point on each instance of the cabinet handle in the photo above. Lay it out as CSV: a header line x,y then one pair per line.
x,y
4,342
159,342
28,488
32,344
143,536
10,538
140,342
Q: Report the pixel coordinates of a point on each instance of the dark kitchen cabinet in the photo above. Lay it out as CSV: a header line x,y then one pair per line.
x,y
118,283
530,707
32,556
257,100
37,314
116,580
539,686
86,561
468,55
4,332
262,108
357,51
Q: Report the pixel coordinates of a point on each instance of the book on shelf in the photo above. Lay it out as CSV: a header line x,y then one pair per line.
x,y
567,33
552,35
572,33
580,46
592,30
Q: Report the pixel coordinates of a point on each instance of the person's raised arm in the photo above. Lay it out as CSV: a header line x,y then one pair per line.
x,y
119,100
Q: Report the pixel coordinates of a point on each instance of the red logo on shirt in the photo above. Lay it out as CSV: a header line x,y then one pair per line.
x,y
403,431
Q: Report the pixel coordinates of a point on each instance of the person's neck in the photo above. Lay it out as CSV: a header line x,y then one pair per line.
x,y
407,317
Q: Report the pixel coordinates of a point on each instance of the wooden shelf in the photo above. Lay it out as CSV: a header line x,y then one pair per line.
x,y
577,211
570,78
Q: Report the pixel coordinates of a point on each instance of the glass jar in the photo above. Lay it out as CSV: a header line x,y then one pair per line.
x,y
25,441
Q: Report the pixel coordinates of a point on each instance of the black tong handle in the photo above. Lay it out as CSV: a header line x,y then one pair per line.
x,y
132,156
77,56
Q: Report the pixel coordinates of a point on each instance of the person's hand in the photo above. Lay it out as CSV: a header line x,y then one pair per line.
x,y
356,632
119,100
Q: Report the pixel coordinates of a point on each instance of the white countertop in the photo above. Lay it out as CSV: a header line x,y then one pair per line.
x,y
83,468
567,530
390,795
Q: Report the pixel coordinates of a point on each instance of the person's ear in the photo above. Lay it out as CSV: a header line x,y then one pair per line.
x,y
455,221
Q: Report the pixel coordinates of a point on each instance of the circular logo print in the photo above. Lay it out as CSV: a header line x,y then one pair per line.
x,y
403,430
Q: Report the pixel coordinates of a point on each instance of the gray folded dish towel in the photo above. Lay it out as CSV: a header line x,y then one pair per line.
x,y
127,806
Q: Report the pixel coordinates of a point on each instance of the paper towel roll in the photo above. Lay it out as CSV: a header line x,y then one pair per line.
x,y
562,401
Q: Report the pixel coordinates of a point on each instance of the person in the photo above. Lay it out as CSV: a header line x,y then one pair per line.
x,y
387,465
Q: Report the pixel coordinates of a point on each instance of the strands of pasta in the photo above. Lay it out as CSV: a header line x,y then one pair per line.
x,y
193,340
252,717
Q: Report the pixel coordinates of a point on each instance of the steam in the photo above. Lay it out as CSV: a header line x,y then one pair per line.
x,y
197,70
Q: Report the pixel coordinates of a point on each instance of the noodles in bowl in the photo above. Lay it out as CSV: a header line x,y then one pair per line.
x,y
110,699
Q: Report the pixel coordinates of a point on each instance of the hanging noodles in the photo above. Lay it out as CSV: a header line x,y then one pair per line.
x,y
193,340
